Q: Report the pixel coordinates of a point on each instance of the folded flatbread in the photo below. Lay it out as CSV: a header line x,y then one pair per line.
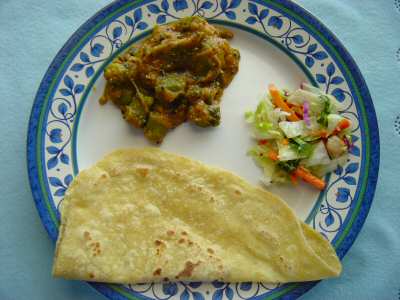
x,y
144,215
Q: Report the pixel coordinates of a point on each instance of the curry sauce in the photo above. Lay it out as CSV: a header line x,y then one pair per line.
x,y
178,74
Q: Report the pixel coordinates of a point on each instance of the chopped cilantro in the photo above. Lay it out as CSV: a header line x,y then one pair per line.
x,y
289,166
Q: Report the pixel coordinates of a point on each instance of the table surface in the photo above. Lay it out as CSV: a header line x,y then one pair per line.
x,y
32,32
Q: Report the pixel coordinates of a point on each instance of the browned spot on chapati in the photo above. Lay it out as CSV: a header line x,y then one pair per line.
x,y
160,246
188,270
170,232
181,241
91,275
95,247
237,192
143,171
184,233
209,250
158,242
157,272
87,236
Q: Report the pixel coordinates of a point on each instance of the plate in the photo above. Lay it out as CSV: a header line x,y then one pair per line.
x,y
279,42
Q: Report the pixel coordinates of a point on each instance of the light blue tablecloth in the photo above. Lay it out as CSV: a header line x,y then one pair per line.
x,y
31,33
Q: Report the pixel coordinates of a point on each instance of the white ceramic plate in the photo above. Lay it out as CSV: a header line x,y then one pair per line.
x,y
279,43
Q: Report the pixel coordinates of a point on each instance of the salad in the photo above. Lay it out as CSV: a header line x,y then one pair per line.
x,y
300,135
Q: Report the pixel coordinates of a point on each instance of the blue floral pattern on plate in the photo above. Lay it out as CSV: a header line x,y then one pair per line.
x,y
341,192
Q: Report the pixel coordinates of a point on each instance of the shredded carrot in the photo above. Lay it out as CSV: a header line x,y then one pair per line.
x,y
279,102
263,142
306,176
342,125
321,133
324,134
293,179
298,109
285,142
273,155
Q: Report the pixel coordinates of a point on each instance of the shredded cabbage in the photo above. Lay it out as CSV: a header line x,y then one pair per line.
x,y
287,153
271,173
293,129
300,96
319,156
317,142
333,121
265,120
321,170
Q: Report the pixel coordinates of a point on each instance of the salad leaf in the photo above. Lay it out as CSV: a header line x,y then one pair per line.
x,y
269,171
262,122
333,121
249,116
302,147
265,120
311,88
335,146
264,126
285,144
293,129
272,174
323,118
321,170
300,96
319,156
286,152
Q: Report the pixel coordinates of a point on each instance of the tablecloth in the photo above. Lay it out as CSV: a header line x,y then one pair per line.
x,y
31,33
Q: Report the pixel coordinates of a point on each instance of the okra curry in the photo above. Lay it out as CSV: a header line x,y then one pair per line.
x,y
178,74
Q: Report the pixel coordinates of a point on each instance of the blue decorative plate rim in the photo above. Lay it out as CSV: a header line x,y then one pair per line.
x,y
358,214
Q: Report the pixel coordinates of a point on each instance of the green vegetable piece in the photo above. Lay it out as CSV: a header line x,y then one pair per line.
x,y
289,166
193,93
310,138
323,118
145,100
184,24
116,72
204,115
261,108
170,87
126,96
156,127
301,146
249,116
134,114
263,126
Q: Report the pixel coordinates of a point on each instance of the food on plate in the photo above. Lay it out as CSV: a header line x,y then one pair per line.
x,y
144,215
300,135
178,74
